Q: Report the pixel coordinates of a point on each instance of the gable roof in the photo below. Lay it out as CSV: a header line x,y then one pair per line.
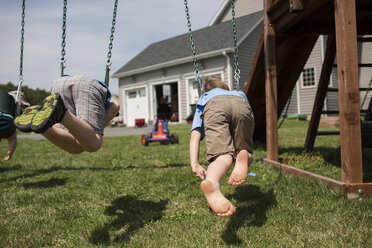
x,y
222,9
209,42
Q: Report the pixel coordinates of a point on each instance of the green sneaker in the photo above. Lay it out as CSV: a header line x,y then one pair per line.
x,y
23,122
52,111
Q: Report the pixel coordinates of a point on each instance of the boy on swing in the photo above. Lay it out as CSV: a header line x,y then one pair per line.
x,y
226,120
74,116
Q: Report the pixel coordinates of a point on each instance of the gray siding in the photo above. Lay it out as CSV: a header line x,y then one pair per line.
x,y
242,7
246,53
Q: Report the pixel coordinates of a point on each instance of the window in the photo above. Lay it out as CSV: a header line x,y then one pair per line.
x,y
142,92
308,77
132,94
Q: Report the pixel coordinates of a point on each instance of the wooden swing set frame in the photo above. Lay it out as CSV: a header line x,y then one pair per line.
x,y
290,31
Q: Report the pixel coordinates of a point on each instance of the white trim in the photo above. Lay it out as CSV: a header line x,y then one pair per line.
x,y
298,97
250,31
219,13
228,65
171,63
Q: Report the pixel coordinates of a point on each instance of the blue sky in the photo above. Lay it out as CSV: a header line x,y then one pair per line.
x,y
139,23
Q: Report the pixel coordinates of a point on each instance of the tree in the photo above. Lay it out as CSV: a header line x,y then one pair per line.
x,y
34,97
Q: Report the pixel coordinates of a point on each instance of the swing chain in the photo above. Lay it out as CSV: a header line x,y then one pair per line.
x,y
22,41
21,54
236,61
196,65
109,54
63,44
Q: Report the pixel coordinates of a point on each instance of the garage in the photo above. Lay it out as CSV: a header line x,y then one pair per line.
x,y
136,106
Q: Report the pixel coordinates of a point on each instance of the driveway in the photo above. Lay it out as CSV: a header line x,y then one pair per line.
x,y
109,132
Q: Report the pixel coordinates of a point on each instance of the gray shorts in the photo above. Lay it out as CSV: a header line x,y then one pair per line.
x,y
84,97
229,124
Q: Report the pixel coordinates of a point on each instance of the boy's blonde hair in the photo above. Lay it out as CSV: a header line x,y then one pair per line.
x,y
212,82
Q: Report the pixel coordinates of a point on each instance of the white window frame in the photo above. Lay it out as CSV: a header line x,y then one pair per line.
x,y
315,79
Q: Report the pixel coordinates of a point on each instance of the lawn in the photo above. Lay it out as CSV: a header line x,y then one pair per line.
x,y
127,195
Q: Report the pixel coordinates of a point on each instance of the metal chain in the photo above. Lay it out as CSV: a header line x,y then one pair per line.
x,y
236,60
21,54
196,65
63,44
109,54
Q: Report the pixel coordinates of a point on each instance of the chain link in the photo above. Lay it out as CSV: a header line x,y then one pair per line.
x,y
63,44
236,60
109,54
21,53
196,65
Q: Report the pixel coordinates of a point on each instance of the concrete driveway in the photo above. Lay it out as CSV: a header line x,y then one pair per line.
x,y
109,132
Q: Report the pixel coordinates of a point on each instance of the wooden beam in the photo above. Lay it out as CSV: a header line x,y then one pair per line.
x,y
306,174
283,21
351,191
296,6
270,87
347,60
321,93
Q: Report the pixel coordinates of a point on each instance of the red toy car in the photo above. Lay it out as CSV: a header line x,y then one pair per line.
x,y
159,132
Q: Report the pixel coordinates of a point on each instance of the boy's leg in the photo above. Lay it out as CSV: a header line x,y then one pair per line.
x,y
239,173
12,145
83,132
211,186
63,139
111,111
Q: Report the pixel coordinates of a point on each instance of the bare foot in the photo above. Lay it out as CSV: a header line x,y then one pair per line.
x,y
218,203
239,173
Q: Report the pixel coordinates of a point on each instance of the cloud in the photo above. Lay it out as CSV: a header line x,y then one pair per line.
x,y
139,23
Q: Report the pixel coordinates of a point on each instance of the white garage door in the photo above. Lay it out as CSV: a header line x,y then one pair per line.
x,y
136,106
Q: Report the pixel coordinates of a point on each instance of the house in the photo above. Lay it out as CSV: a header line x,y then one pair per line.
x,y
163,73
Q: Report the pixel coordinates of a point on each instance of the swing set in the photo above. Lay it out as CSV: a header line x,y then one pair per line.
x,y
10,107
198,80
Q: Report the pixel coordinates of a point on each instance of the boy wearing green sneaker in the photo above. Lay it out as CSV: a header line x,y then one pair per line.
x,y
74,116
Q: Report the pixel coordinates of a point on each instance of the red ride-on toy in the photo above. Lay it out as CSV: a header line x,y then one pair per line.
x,y
160,132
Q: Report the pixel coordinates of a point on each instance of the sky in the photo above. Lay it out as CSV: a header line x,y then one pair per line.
x,y
138,24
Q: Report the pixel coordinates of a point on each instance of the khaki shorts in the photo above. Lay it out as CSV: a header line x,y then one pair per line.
x,y
229,124
85,98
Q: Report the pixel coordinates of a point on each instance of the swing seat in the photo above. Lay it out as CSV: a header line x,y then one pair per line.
x,y
7,113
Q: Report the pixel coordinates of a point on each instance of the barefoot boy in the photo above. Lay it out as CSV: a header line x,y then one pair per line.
x,y
81,104
226,120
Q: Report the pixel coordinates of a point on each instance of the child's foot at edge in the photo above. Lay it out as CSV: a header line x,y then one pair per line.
x,y
239,173
218,203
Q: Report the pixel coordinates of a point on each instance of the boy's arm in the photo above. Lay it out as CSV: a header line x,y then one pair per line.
x,y
194,154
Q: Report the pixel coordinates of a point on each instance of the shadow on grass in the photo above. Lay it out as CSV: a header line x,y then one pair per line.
x,y
69,168
131,215
252,205
12,168
53,182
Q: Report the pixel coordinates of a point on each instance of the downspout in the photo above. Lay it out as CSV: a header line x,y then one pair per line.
x,y
229,81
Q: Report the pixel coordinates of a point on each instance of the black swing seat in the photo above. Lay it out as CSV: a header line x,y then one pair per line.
x,y
7,114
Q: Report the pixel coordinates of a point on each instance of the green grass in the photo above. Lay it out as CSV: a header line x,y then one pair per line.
x,y
126,195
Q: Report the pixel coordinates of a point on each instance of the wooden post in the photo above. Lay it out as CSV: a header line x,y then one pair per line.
x,y
270,87
348,90
321,93
296,6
